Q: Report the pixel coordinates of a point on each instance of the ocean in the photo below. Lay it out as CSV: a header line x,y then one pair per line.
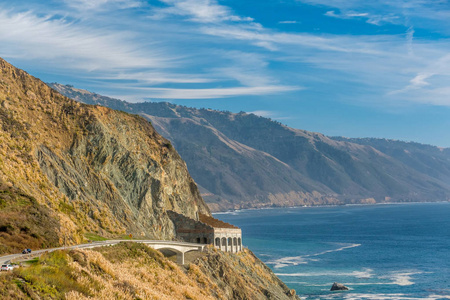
x,y
395,251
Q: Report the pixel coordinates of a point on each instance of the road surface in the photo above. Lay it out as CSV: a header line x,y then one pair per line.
x,y
180,248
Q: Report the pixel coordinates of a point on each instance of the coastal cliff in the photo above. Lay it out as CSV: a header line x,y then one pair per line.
x,y
94,169
71,171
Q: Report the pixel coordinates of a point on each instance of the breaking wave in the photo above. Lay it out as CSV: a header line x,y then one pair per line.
x,y
304,259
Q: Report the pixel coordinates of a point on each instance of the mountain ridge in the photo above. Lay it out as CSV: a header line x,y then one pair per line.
x,y
287,166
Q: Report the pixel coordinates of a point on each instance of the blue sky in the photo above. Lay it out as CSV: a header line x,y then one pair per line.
x,y
341,67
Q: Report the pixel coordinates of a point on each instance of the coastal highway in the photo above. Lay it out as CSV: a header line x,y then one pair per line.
x,y
179,247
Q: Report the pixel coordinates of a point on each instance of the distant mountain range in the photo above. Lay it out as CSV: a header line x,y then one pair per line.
x,y
243,160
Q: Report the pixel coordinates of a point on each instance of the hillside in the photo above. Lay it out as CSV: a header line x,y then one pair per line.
x,y
74,169
134,271
242,160
426,159
71,171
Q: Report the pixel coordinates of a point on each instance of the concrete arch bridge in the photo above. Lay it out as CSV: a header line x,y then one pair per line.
x,y
166,247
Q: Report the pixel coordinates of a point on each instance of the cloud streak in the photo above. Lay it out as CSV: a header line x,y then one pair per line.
x,y
85,5
203,11
209,93
188,49
56,39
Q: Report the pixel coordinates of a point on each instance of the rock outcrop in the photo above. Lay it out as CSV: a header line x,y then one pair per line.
x,y
96,169
243,276
338,287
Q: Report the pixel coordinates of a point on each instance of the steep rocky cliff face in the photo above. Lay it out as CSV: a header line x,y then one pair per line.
x,y
242,276
242,160
95,169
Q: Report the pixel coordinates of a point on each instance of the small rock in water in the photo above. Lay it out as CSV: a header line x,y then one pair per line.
x,y
338,287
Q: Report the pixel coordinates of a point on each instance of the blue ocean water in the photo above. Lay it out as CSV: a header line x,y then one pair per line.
x,y
396,251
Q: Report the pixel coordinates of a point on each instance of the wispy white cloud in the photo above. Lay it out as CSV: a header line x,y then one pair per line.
x,y
355,15
119,56
431,14
249,69
429,85
420,80
270,114
263,113
267,39
205,93
409,40
85,5
380,19
371,19
201,49
203,11
65,43
332,13
288,22
156,78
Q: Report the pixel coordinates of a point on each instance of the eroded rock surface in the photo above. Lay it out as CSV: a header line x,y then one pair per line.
x,y
98,170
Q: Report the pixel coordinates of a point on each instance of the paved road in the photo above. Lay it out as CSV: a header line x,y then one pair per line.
x,y
179,247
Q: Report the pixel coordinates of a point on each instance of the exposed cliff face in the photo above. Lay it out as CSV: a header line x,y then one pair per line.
x,y
242,160
96,169
243,276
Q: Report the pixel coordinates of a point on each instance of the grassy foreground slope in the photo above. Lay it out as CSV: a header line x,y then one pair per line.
x,y
135,271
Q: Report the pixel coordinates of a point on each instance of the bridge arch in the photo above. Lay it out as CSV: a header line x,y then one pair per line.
x,y
168,251
179,250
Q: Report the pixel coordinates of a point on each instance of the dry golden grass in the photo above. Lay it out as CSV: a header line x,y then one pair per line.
x,y
135,271
24,223
144,273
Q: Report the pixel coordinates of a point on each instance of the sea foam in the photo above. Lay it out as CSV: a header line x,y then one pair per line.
x,y
304,259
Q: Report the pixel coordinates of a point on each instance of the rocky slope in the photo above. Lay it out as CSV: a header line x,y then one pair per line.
x,y
88,168
134,271
425,159
242,160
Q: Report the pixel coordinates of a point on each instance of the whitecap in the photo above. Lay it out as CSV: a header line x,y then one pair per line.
x,y
231,212
402,278
364,273
336,250
304,259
